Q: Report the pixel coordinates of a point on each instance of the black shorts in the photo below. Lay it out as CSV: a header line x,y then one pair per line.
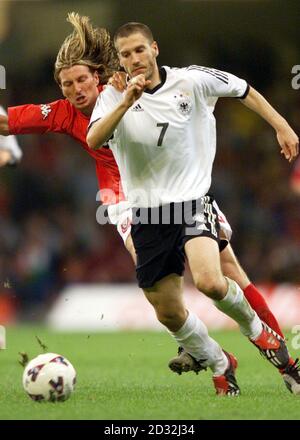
x,y
159,236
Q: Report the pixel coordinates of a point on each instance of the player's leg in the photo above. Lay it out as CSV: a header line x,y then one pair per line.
x,y
192,335
123,222
166,297
203,256
232,269
159,270
130,247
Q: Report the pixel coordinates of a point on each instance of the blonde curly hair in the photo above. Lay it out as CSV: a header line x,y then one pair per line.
x,y
87,46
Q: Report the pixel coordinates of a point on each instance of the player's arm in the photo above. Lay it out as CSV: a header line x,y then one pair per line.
x,y
287,138
216,83
102,126
31,118
102,129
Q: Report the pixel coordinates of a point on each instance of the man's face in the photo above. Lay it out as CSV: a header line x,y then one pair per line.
x,y
137,55
79,86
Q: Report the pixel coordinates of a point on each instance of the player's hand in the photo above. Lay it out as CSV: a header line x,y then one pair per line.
x,y
118,81
135,89
289,142
5,157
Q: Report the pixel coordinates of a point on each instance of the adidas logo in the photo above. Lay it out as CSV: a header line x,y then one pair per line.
x,y
137,108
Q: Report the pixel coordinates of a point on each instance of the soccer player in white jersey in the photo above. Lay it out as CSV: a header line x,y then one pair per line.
x,y
162,133
10,152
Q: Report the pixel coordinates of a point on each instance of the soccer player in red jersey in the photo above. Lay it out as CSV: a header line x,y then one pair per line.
x,y
82,67
84,64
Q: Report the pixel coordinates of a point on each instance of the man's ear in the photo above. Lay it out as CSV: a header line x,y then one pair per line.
x,y
155,49
96,76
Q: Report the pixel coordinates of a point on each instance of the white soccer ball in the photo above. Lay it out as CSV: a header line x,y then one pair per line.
x,y
49,377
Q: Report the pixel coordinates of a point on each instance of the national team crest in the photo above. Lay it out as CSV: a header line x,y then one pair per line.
x,y
184,104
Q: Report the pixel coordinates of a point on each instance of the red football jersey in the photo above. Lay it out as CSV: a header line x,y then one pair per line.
x,y
62,117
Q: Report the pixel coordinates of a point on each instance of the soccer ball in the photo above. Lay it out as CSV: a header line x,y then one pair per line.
x,y
49,377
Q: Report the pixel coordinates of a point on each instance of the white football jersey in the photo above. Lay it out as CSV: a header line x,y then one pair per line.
x,y
165,143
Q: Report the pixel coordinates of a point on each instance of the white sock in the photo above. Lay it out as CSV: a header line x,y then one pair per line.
x,y
237,307
193,337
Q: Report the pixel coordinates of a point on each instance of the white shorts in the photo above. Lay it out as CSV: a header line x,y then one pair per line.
x,y
225,228
121,215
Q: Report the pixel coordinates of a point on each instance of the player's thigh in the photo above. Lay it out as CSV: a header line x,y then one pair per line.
x,y
124,229
204,261
231,267
130,247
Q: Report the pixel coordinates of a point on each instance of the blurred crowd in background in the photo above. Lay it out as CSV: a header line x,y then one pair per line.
x,y
49,236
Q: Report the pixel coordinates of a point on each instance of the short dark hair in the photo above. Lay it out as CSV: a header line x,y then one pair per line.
x,y
132,28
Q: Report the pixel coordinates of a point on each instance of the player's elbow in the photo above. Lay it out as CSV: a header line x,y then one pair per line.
x,y
92,140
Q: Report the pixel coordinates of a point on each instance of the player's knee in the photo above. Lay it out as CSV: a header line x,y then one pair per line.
x,y
214,287
172,319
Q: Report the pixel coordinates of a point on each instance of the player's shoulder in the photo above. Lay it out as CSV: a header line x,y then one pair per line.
x,y
61,105
198,73
109,92
60,110
175,71
65,110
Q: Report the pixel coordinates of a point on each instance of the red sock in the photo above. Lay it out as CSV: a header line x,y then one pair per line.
x,y
258,303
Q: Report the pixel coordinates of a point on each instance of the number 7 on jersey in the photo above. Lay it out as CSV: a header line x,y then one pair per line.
x,y
164,126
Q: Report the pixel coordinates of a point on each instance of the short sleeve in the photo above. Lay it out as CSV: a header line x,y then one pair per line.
x,y
217,83
106,102
56,117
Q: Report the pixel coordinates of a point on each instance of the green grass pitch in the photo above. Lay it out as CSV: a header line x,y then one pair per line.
x,y
124,375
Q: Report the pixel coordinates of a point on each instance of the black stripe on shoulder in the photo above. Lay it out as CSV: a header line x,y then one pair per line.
x,y
213,72
245,94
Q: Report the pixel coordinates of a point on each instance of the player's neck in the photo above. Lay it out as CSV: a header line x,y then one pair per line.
x,y
87,111
155,79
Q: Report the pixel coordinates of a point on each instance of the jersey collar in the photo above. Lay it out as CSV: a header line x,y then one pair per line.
x,y
163,77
